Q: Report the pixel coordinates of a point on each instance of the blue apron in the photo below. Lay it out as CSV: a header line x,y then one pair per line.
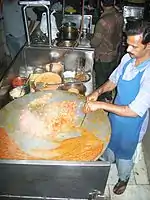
x,y
126,130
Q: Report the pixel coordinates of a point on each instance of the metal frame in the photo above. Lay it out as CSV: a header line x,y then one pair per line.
x,y
37,4
63,8
62,163
26,2
36,171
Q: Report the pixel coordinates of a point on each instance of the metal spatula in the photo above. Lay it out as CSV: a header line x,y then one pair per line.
x,y
84,115
83,120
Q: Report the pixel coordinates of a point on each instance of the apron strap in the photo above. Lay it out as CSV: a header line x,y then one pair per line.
x,y
126,65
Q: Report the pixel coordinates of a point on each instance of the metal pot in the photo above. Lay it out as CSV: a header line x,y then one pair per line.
x,y
66,43
78,86
68,33
72,24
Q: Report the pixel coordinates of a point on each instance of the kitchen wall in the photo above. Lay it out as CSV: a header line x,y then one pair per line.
x,y
4,54
146,149
2,48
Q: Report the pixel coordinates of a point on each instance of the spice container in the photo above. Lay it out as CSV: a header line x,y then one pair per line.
x,y
18,81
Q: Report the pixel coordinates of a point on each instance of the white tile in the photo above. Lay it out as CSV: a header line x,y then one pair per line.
x,y
107,192
133,192
113,176
140,172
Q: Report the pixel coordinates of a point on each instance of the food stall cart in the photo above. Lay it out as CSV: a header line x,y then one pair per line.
x,y
26,173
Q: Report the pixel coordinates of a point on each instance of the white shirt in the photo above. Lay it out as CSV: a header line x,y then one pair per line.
x,y
13,18
141,103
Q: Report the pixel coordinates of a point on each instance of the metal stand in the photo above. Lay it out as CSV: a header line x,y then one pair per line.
x,y
94,195
45,4
63,8
53,180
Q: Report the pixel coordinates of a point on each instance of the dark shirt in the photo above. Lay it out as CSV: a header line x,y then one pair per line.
x,y
108,35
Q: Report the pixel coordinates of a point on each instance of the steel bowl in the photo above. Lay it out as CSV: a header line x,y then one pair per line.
x,y
66,43
17,92
72,24
80,87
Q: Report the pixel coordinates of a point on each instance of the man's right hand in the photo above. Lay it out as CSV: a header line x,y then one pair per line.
x,y
93,96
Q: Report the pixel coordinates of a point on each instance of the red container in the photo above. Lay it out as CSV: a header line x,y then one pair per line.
x,y
18,81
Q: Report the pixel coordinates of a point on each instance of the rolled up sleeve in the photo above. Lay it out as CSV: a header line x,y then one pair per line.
x,y
114,77
142,101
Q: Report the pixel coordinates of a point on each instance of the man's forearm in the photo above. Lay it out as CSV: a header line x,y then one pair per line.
x,y
106,87
124,111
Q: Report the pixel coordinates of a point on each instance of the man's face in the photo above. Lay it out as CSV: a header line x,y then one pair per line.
x,y
135,47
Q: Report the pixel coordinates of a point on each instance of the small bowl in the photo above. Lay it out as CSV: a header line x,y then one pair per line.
x,y
80,87
18,92
18,81
82,77
39,70
69,80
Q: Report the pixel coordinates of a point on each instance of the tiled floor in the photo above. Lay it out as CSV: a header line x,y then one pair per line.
x,y
138,187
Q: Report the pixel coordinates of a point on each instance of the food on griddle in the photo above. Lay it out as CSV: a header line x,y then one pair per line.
x,y
84,148
56,115
39,102
53,124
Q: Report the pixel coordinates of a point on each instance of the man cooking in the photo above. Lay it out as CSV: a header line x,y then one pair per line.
x,y
106,41
129,113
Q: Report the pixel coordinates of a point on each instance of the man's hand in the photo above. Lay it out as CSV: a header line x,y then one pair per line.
x,y
123,111
93,96
91,106
106,87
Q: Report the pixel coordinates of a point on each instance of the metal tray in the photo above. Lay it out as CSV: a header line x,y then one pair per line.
x,y
53,180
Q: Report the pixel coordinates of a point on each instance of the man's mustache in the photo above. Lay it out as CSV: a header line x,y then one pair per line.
x,y
131,54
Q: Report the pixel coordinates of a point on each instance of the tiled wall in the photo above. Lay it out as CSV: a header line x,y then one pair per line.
x,y
4,53
2,42
146,148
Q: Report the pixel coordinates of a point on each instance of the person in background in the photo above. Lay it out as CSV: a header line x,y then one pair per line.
x,y
14,25
1,6
106,41
129,113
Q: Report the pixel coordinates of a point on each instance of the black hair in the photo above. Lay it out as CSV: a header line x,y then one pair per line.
x,y
137,27
108,3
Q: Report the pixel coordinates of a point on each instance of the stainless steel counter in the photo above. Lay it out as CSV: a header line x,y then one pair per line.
x,y
30,58
53,180
50,180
